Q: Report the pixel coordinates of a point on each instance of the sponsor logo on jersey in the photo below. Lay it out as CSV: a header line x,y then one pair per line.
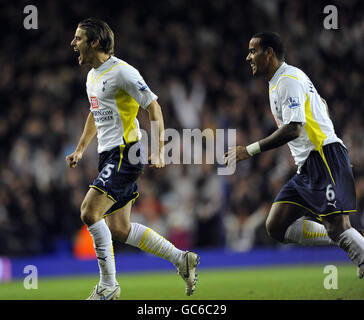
x,y
94,103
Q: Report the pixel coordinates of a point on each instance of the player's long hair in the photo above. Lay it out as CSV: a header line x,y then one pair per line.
x,y
99,30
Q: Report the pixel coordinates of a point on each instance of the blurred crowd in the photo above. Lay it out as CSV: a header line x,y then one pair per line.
x,y
192,55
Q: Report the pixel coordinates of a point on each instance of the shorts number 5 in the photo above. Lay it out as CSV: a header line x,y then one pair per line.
x,y
108,170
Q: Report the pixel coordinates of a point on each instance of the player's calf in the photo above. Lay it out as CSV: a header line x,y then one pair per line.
x,y
119,233
336,225
92,209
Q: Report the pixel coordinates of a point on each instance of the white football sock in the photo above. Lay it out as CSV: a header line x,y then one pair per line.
x,y
104,252
307,233
352,242
150,241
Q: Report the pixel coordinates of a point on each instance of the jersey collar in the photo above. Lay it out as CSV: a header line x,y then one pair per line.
x,y
277,74
107,64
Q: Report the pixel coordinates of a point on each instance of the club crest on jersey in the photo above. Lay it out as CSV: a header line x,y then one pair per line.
x,y
293,102
103,85
94,103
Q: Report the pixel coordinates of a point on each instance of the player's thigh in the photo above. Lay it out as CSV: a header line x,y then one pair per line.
x,y
280,217
94,205
119,223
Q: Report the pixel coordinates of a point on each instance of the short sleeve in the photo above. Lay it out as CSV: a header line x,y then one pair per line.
x,y
131,81
292,98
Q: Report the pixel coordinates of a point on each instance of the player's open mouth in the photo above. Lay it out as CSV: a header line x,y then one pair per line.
x,y
253,66
78,51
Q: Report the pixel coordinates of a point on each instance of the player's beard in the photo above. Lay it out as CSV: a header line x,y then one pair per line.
x,y
260,71
259,66
84,55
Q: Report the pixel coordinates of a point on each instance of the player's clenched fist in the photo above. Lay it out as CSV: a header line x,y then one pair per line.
x,y
73,158
157,160
236,154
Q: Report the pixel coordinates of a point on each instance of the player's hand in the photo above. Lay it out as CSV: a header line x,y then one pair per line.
x,y
235,155
73,159
157,160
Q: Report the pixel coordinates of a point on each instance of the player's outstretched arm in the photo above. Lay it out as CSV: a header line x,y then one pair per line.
x,y
156,119
278,138
281,136
88,133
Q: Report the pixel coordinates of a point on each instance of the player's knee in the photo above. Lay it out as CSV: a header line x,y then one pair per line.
x,y
87,219
88,215
274,231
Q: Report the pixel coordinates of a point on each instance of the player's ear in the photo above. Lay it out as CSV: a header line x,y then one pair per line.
x,y
269,52
95,43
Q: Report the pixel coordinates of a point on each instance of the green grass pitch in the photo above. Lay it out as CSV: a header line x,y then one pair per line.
x,y
305,282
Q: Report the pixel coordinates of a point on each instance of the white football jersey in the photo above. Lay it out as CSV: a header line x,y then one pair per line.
x,y
293,98
115,91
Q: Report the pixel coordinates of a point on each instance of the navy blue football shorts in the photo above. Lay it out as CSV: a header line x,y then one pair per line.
x,y
118,176
325,185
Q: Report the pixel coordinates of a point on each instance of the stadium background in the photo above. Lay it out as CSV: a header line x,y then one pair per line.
x,y
191,55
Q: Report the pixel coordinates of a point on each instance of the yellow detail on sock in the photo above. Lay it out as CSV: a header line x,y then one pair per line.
x,y
152,242
143,239
309,232
170,251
